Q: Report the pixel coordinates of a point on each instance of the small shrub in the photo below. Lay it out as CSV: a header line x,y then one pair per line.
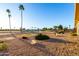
x,y
42,37
1,41
61,32
3,46
24,37
74,34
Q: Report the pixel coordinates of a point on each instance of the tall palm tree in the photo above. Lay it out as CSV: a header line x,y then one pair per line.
x,y
21,8
9,15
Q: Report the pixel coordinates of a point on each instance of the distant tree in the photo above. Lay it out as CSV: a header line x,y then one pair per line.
x,y
55,27
60,27
66,29
44,29
21,8
38,30
1,28
9,15
24,29
50,28
69,26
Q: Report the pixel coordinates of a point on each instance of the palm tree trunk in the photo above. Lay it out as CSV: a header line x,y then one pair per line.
x,y
9,24
21,20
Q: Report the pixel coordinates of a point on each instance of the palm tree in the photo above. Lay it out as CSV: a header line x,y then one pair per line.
x,y
9,15
21,8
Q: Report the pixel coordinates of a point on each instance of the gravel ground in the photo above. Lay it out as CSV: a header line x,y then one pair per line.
x,y
64,45
22,48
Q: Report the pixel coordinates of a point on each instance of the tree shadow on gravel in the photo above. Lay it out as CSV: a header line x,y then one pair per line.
x,y
39,45
56,40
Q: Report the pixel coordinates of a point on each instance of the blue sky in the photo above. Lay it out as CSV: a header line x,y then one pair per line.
x,y
38,15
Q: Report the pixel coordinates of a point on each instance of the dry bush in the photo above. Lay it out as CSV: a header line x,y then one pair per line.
x,y
3,47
